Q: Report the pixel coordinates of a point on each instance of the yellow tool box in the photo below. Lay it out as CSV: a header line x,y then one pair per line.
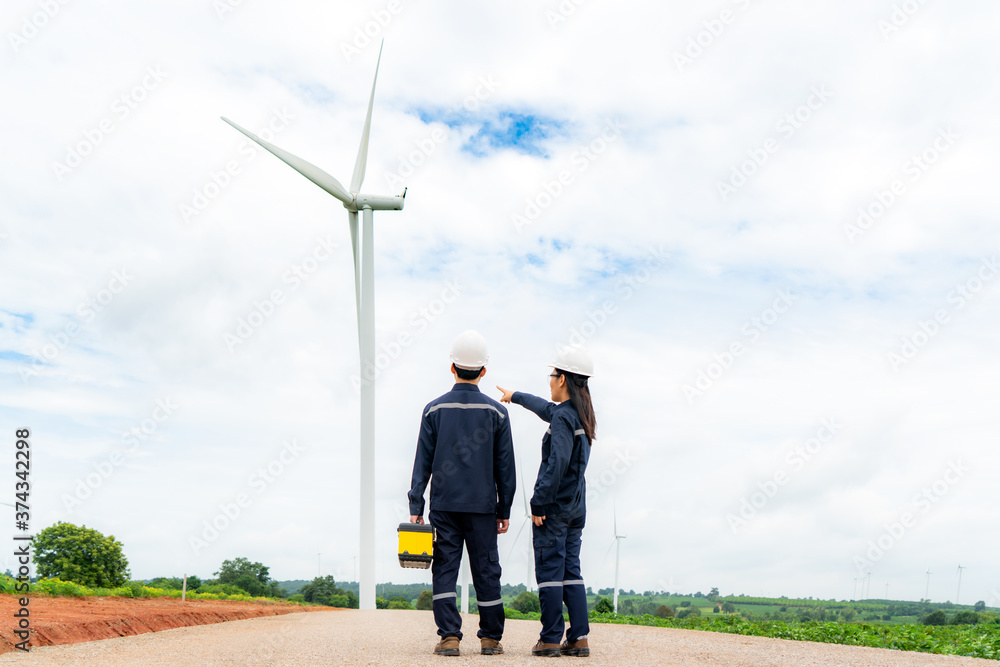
x,y
416,545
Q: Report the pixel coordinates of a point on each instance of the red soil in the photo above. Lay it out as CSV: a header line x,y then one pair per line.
x,y
67,620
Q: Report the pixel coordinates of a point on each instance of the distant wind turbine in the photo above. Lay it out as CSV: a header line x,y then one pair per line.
x,y
959,593
362,247
527,519
927,590
617,543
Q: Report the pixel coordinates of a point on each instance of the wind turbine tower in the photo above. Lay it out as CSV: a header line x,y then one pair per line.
x,y
959,593
363,249
927,589
617,543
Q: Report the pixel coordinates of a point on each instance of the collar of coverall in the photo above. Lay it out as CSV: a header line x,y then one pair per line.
x,y
465,386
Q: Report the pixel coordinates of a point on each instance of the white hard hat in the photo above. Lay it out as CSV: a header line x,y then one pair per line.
x,y
469,351
575,359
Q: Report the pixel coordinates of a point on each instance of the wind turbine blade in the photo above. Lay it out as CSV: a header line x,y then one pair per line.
x,y
352,218
519,531
310,171
359,166
524,495
612,546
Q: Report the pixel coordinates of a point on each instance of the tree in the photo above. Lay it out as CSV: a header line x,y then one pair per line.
x,y
80,554
321,590
935,618
232,570
728,607
526,602
604,606
965,618
663,611
980,606
714,593
399,603
425,601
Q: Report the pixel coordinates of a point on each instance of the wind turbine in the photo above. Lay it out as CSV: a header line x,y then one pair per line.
x,y
927,590
617,543
362,247
960,568
527,519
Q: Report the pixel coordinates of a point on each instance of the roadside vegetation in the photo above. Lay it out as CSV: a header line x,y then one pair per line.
x,y
77,562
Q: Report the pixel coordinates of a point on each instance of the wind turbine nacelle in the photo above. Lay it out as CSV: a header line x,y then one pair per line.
x,y
379,202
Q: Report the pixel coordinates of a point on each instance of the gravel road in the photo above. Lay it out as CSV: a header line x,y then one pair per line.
x,y
407,638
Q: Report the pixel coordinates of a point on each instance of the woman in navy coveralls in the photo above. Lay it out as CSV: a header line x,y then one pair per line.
x,y
558,505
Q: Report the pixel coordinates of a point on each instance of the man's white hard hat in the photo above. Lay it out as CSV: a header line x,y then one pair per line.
x,y
575,359
469,351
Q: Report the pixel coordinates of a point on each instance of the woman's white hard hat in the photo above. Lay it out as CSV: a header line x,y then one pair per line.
x,y
469,351
575,359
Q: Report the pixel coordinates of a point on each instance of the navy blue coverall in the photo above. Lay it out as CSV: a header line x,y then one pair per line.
x,y
465,450
560,496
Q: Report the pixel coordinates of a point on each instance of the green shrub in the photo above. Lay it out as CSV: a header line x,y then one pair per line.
x,y
604,606
526,603
399,603
426,601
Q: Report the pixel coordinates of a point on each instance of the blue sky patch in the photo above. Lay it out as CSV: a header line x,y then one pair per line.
x,y
506,130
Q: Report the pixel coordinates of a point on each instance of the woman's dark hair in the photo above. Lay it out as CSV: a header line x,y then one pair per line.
x,y
467,375
579,397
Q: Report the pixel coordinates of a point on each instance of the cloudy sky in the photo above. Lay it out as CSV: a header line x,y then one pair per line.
x,y
771,222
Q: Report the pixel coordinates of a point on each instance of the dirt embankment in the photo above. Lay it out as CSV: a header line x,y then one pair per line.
x,y
73,620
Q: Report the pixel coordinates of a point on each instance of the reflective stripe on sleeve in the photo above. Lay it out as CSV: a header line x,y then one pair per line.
x,y
579,431
546,584
491,603
442,596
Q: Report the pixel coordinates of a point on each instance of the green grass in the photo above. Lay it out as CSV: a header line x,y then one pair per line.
x,y
977,641
132,589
